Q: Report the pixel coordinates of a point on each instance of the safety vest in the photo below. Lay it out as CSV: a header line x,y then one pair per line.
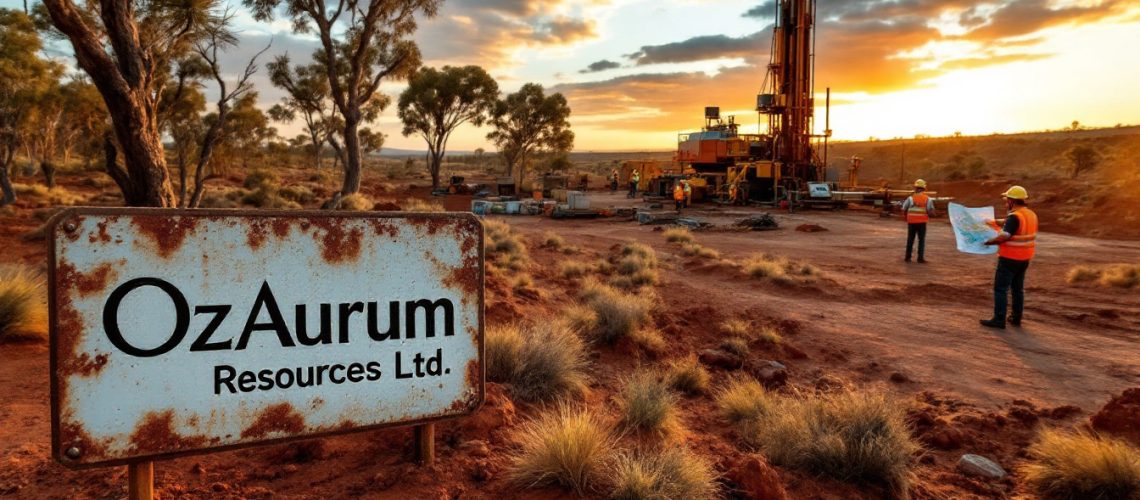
x,y
688,188
916,214
678,193
1023,245
636,177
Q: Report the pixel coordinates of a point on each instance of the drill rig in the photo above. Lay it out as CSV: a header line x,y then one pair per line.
x,y
779,163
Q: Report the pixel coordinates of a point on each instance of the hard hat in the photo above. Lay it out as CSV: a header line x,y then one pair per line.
x,y
920,184
1016,193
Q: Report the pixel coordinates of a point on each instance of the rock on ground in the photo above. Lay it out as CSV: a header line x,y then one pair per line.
x,y
979,466
770,373
756,479
1121,416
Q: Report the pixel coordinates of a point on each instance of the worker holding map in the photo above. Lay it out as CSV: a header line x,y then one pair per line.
x,y
918,209
1017,244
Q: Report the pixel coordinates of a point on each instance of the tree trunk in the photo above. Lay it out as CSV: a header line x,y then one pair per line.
x,y
436,161
9,194
49,173
352,155
182,176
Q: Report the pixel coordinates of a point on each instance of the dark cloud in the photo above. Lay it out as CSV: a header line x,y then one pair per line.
x,y
764,10
564,30
602,65
1022,17
704,48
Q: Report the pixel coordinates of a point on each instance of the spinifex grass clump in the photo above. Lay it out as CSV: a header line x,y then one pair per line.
x,y
688,376
608,315
505,249
668,473
1077,465
780,269
23,304
647,406
565,446
540,362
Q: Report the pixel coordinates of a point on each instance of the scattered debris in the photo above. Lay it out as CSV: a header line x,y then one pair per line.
x,y
763,222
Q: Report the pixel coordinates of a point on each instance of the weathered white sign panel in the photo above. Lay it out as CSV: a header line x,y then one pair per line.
x,y
176,332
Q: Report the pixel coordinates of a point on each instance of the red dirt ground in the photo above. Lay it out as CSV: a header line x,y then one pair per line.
x,y
870,319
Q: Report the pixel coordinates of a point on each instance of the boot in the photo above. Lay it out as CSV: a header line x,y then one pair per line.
x,y
993,323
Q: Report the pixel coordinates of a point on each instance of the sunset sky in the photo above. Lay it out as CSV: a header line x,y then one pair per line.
x,y
637,72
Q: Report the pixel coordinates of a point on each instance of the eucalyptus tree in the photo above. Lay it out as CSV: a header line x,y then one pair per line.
x,y
528,122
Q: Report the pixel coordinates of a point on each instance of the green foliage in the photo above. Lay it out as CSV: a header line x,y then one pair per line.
x,y
529,121
436,102
1083,158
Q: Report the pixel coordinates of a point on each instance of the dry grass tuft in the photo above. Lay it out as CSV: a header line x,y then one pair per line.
x,y
355,202
617,315
553,241
638,262
780,269
647,406
23,304
736,327
688,376
551,363
504,247
743,403
695,250
735,345
56,196
855,437
1125,276
768,334
678,235
564,447
573,269
1072,466
259,179
670,473
503,350
419,205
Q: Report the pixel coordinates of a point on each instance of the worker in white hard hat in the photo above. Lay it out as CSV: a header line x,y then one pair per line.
x,y
918,209
1017,244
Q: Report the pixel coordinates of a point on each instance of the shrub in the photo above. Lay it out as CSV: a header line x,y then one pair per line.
x,y
735,345
418,205
553,241
646,406
670,473
564,447
743,402
300,194
1121,276
258,179
779,268
56,196
618,315
505,248
636,256
695,250
768,334
503,349
551,363
735,327
1066,465
573,269
1081,274
678,235
522,282
23,304
855,437
355,202
266,196
688,376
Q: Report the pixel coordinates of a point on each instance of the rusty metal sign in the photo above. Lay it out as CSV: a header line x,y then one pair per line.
x,y
178,332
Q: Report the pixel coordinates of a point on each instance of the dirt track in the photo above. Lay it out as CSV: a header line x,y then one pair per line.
x,y
870,317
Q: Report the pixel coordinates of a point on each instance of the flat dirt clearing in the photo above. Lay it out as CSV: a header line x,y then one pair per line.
x,y
869,319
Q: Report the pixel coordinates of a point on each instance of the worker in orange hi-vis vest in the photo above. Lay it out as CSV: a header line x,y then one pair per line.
x,y
679,195
1017,244
917,209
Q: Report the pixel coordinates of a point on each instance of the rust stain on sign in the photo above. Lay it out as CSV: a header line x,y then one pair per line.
x,y
178,332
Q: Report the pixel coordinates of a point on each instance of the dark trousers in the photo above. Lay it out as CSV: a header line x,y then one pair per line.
x,y
613,185
632,190
1009,277
680,204
913,230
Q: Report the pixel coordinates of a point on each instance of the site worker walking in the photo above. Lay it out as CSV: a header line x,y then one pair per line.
x,y
688,192
918,208
634,180
679,195
613,181
1017,244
